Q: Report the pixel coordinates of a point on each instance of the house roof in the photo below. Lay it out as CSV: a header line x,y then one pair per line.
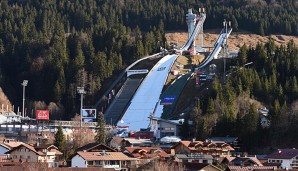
x,y
57,152
284,154
240,160
250,168
118,140
259,157
230,158
148,152
198,166
13,144
193,145
194,156
89,147
36,149
91,156
49,147
23,145
44,146
138,141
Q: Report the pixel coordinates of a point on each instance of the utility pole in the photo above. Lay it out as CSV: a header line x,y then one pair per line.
x,y
81,91
24,84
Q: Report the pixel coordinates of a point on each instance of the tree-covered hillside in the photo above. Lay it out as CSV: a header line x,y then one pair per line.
x,y
230,109
59,45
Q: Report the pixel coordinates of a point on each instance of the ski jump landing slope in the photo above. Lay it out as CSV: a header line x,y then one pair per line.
x,y
147,96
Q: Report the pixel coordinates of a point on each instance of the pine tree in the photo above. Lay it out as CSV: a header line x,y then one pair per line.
x,y
242,55
101,134
60,139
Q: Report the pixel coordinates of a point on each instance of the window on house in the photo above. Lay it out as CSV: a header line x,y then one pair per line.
x,y
205,161
14,156
21,156
90,162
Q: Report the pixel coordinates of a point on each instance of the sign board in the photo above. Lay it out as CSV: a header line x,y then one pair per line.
x,y
168,100
87,120
42,115
88,115
140,71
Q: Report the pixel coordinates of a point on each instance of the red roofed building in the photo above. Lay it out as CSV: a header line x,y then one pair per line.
x,y
287,158
146,152
111,160
250,168
214,148
28,153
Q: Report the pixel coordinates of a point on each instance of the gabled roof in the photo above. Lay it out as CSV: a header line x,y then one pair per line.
x,y
118,140
284,154
240,160
92,156
92,146
23,145
198,166
37,149
250,168
145,151
49,147
13,144
193,145
44,146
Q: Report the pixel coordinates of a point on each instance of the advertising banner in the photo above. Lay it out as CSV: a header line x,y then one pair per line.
x,y
168,100
88,115
42,115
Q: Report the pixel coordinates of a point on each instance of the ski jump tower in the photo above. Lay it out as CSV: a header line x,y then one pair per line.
x,y
191,23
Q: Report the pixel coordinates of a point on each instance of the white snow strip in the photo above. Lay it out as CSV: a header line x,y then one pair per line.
x,y
147,96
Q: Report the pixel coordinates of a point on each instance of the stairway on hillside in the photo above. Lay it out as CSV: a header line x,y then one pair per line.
x,y
122,99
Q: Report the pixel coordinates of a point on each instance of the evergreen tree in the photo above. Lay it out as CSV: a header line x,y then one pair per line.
x,y
100,136
60,139
242,55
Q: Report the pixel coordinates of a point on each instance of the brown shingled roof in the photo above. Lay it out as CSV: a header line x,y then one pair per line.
x,y
250,168
25,145
150,151
91,156
13,144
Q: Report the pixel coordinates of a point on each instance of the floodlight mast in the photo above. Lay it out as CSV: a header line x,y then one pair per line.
x,y
24,84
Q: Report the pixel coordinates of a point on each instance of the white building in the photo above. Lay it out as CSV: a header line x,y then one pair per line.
x,y
115,160
163,127
287,158
194,158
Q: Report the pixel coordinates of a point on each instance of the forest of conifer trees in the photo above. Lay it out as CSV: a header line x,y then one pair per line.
x,y
59,45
